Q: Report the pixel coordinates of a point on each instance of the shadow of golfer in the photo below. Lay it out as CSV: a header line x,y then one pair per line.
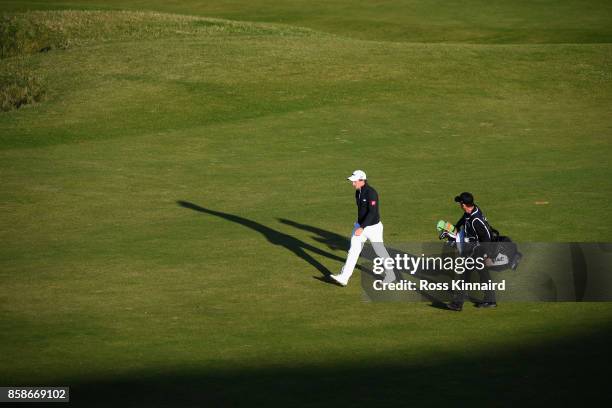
x,y
331,239
293,244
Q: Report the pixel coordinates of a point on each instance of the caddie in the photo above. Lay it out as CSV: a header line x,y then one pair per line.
x,y
477,240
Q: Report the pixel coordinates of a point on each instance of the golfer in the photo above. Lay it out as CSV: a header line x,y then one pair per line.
x,y
367,227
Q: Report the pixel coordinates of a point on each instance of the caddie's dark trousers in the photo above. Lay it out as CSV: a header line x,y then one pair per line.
x,y
461,295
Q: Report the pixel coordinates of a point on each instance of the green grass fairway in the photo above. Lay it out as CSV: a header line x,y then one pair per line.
x,y
472,21
169,204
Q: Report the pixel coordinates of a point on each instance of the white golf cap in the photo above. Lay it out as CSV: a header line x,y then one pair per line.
x,y
358,175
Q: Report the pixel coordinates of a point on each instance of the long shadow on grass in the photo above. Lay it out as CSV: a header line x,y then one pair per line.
x,y
298,247
333,241
552,372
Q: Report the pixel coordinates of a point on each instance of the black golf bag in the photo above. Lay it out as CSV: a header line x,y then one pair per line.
x,y
506,254
503,252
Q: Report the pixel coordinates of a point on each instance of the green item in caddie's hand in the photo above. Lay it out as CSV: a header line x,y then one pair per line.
x,y
445,226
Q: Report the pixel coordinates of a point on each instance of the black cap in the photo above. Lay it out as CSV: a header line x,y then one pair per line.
x,y
465,198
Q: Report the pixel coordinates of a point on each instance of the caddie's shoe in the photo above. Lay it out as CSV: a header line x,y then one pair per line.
x,y
486,305
455,307
338,280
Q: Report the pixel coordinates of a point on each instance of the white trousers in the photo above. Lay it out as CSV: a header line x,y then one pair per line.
x,y
374,233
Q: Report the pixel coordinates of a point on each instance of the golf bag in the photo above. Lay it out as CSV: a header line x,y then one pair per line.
x,y
505,253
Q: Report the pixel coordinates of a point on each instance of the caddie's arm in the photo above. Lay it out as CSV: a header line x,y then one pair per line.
x,y
481,231
460,223
484,237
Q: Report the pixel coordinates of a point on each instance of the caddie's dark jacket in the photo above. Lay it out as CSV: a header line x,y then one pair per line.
x,y
476,229
367,206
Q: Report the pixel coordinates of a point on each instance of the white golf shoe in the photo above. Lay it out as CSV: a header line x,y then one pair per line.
x,y
337,279
389,277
